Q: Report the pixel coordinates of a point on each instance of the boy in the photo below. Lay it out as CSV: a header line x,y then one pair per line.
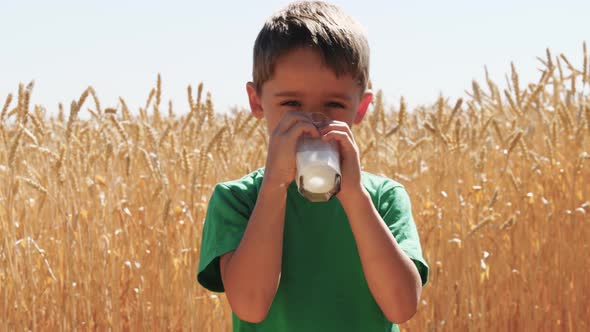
x,y
353,263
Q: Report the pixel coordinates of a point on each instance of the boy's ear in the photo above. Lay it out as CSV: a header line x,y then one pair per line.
x,y
254,100
363,106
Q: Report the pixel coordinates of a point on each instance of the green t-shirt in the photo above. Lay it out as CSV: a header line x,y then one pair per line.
x,y
322,286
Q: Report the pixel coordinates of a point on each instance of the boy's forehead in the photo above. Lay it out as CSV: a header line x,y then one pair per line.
x,y
302,57
301,72
312,84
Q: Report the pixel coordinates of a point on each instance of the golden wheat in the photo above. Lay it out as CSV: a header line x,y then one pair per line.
x,y
101,219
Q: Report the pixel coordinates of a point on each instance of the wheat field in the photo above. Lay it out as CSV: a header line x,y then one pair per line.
x,y
100,219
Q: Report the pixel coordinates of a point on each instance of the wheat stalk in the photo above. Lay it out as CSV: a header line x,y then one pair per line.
x,y
585,73
164,135
454,112
37,123
516,136
157,117
13,147
29,134
74,109
5,107
125,110
34,184
96,100
119,127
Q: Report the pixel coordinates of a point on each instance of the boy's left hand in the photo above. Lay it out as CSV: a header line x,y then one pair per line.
x,y
350,165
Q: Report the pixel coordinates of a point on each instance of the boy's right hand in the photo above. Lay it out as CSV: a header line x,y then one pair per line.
x,y
280,169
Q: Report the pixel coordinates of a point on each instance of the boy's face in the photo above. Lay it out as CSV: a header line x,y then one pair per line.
x,y
302,82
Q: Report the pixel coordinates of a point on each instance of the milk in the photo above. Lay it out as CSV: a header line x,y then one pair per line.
x,y
318,169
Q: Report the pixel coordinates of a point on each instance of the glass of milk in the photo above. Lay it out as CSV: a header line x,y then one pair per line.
x,y
318,165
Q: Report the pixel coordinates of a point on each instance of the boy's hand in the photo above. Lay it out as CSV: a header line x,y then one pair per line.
x,y
350,166
280,169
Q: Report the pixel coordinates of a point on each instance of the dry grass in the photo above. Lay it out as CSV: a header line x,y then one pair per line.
x,y
100,220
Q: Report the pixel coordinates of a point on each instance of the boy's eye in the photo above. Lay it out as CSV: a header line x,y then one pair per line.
x,y
290,103
335,104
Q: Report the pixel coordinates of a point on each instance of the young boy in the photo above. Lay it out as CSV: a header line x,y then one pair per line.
x,y
353,263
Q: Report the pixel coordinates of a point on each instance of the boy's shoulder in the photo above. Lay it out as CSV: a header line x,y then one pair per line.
x,y
246,186
381,188
378,182
251,179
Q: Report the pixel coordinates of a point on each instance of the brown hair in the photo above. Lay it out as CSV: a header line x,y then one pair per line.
x,y
341,40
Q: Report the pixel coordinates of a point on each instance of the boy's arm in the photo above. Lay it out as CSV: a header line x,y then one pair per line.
x,y
252,272
391,275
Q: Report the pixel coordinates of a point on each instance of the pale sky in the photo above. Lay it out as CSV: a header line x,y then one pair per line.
x,y
418,48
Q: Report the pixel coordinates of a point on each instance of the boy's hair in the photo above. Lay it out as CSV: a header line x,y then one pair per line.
x,y
341,41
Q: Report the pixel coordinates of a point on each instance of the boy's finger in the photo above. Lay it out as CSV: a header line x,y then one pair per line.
x,y
335,125
300,128
343,138
289,119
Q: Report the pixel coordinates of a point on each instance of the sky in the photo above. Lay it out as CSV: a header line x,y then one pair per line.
x,y
419,49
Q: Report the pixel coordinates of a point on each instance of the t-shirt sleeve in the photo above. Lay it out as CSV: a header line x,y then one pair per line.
x,y
396,210
225,223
